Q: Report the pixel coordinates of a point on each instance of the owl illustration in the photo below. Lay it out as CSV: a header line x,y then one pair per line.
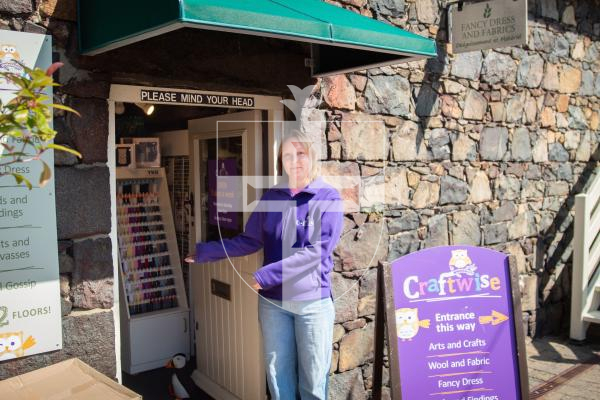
x,y
10,60
13,346
9,53
408,324
461,263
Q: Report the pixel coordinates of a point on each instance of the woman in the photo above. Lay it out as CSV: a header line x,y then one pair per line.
x,y
298,224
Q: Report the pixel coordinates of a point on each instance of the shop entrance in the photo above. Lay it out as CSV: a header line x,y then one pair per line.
x,y
228,346
163,171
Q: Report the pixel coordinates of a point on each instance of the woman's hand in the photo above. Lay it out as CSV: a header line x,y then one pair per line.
x,y
251,281
254,284
190,259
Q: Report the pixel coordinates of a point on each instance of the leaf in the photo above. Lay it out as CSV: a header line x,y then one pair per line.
x,y
16,154
64,148
21,179
8,147
53,68
17,133
45,175
20,116
66,108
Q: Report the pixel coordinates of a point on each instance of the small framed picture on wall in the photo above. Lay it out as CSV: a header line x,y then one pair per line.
x,y
125,156
147,152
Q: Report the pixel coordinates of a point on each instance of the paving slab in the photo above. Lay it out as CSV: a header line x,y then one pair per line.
x,y
574,369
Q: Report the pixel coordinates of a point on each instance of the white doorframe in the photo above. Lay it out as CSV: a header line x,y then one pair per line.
x,y
132,94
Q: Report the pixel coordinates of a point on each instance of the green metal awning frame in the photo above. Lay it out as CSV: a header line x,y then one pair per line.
x,y
341,40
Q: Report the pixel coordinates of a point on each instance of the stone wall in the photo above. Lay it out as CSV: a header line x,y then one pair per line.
x,y
82,200
483,148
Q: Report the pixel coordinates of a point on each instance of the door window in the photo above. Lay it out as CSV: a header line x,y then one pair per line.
x,y
221,196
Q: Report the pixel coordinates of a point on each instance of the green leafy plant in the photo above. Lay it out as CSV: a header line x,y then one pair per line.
x,y
25,130
487,12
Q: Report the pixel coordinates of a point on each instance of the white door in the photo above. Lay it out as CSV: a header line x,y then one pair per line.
x,y
229,361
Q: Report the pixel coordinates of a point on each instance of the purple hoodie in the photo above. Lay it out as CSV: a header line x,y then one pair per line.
x,y
298,234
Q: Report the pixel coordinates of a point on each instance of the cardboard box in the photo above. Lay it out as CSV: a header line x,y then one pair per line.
x,y
72,379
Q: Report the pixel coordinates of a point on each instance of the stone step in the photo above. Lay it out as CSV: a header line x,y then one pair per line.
x,y
592,316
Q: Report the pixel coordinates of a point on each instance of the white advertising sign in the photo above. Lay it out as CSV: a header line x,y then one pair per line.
x,y
30,307
487,25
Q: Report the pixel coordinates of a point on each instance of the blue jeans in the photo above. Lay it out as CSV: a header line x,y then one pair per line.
x,y
297,341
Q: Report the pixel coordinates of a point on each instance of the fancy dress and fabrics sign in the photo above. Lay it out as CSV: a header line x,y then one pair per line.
x,y
30,308
452,328
487,25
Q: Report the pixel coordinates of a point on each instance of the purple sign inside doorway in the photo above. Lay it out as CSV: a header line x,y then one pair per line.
x,y
223,193
455,325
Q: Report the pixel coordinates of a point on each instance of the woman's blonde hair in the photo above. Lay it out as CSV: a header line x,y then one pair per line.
x,y
309,146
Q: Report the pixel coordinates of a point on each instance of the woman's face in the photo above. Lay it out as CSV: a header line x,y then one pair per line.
x,y
296,162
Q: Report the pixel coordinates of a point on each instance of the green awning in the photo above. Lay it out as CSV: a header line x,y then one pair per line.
x,y
341,40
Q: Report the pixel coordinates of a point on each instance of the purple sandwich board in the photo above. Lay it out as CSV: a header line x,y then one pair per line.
x,y
452,331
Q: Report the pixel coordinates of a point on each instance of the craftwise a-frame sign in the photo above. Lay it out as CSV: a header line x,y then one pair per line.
x,y
450,313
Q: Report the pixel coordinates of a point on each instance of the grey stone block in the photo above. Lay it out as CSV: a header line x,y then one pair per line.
x,y
92,283
577,119
465,228
559,188
363,247
507,188
557,152
66,263
533,172
90,131
64,159
427,11
543,40
564,171
390,8
82,202
437,232
475,106
514,108
587,83
388,95
467,65
345,295
30,27
498,68
356,348
403,244
408,220
496,233
521,145
368,283
439,142
522,226
453,191
83,89
532,189
428,102
531,71
463,148
493,143
16,6
89,337
347,386
561,47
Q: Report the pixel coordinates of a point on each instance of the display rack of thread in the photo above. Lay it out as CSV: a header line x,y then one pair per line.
x,y
143,248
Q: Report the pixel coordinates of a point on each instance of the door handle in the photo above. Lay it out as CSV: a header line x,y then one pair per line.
x,y
185,325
